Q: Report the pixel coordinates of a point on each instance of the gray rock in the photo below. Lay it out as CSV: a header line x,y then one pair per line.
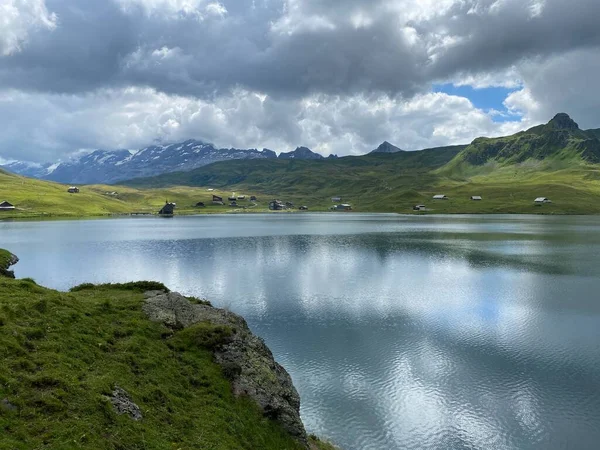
x,y
123,404
245,359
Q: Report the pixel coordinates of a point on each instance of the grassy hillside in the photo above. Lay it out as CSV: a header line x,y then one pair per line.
x,y
284,176
36,198
64,353
555,160
560,141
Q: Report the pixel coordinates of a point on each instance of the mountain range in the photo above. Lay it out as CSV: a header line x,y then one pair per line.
x,y
560,140
105,167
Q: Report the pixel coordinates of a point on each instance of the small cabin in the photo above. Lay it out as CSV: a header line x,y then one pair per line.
x,y
5,206
233,203
73,190
343,207
217,200
440,197
276,205
336,199
253,198
168,209
303,208
476,198
200,205
419,208
232,199
241,197
542,200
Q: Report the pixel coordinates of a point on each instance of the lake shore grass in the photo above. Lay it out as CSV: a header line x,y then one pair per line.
x,y
63,354
573,191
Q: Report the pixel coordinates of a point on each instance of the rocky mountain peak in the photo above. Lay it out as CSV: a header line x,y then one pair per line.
x,y
386,147
301,153
563,121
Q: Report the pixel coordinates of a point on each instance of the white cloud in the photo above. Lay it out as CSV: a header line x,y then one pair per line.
x,y
50,125
199,9
18,18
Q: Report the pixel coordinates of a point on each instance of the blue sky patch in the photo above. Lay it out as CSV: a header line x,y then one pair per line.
x,y
486,99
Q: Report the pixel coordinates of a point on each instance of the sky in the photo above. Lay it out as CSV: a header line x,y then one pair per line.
x,y
337,76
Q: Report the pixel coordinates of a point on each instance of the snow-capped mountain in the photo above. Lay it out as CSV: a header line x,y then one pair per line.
x,y
107,167
28,169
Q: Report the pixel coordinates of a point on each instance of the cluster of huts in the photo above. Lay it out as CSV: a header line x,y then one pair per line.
x,y
477,198
339,206
278,205
233,200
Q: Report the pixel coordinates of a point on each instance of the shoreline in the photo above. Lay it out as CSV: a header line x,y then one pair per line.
x,y
59,217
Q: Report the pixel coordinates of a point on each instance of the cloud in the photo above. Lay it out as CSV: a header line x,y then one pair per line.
x,y
174,9
565,82
54,124
337,76
18,18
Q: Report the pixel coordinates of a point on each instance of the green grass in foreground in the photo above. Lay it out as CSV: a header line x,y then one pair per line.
x,y
63,353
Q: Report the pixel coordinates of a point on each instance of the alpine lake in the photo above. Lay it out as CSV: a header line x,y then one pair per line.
x,y
400,332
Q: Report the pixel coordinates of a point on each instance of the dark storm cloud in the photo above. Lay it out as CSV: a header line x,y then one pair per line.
x,y
493,37
82,53
292,48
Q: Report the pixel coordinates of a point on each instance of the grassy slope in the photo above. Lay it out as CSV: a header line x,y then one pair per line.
x,y
37,198
394,183
377,182
63,353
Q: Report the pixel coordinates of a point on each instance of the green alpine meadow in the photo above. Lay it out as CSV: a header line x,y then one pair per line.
x,y
88,369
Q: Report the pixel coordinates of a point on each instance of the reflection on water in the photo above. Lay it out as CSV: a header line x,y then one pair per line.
x,y
399,332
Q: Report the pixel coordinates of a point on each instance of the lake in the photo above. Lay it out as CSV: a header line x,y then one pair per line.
x,y
400,332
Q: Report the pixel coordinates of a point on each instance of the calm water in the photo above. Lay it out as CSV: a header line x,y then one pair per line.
x,y
399,332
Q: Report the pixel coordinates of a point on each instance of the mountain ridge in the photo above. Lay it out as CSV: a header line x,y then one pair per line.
x,y
560,139
111,166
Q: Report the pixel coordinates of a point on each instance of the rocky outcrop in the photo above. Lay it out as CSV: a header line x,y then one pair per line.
x,y
246,361
6,263
123,404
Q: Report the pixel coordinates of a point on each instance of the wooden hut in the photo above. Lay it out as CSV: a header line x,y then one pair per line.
x,y
6,206
167,210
